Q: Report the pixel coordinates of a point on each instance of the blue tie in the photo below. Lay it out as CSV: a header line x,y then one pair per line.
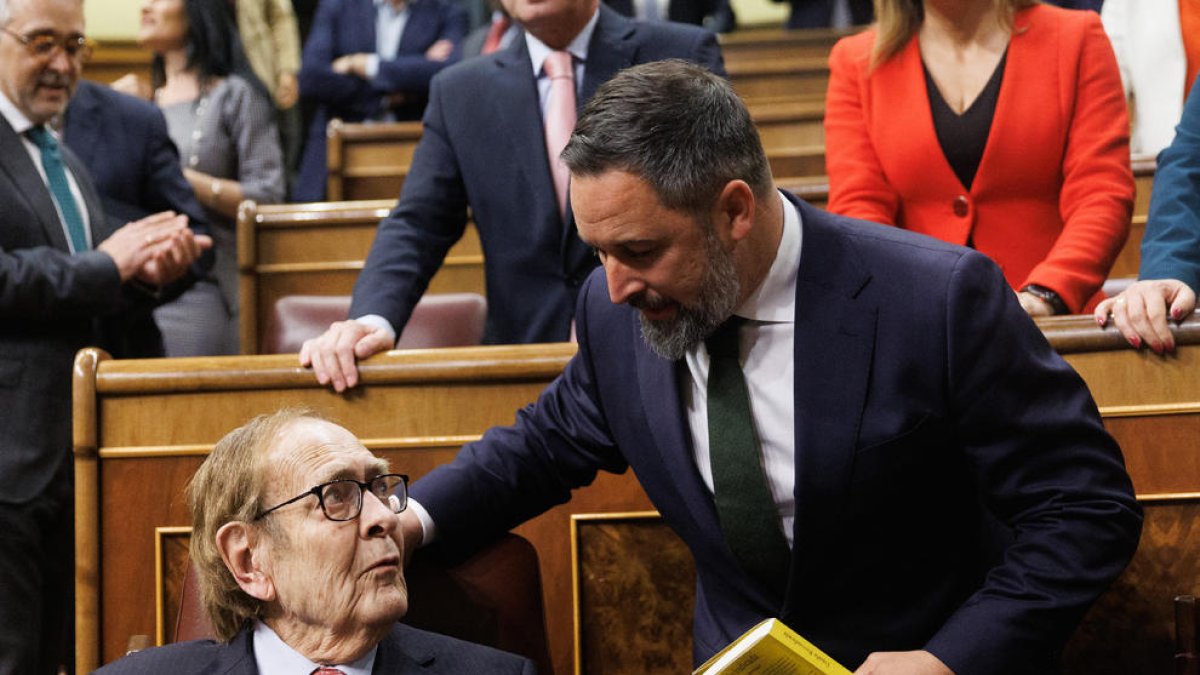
x,y
60,189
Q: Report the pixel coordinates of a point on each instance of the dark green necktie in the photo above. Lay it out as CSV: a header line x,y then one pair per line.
x,y
60,189
748,515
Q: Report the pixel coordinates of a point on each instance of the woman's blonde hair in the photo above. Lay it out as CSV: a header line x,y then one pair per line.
x,y
897,21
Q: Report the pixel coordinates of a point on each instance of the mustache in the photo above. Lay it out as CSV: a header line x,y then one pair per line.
x,y
643,300
52,79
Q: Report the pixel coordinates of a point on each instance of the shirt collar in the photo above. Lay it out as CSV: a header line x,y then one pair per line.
x,y
13,115
578,47
273,655
775,298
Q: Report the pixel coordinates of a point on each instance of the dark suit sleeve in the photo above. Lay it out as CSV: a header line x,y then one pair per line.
x,y
514,473
1171,245
1045,467
412,72
707,52
318,82
46,284
412,241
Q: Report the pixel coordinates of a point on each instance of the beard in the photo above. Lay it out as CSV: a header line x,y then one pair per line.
x,y
719,291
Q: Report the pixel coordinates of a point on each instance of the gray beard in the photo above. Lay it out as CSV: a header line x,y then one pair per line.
x,y
672,338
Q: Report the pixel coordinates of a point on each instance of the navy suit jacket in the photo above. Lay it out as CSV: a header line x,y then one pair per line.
x,y
124,143
52,304
484,147
405,651
955,488
348,27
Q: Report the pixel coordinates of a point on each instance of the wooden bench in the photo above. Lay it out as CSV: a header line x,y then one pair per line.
x,y
319,249
756,44
772,77
369,161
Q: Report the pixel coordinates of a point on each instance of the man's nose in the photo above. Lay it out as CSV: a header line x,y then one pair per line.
x,y
62,62
377,517
623,283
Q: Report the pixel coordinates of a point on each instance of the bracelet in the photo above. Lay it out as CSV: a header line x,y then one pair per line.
x,y
215,189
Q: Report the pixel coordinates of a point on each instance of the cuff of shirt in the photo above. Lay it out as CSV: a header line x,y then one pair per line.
x,y
376,321
428,530
372,66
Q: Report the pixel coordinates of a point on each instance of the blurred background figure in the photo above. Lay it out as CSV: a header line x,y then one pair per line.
x,y
371,60
271,40
1169,274
996,125
221,118
826,13
1158,48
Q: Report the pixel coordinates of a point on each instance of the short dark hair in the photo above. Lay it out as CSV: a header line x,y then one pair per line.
x,y
675,125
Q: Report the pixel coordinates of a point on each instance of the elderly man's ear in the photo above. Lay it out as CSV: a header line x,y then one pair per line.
x,y
245,556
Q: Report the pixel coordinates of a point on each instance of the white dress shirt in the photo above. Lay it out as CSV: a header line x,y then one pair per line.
x,y
276,657
20,124
766,347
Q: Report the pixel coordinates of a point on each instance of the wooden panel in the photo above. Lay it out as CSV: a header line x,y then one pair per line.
x,y
1130,257
636,591
796,161
116,58
769,77
1131,627
756,44
1143,176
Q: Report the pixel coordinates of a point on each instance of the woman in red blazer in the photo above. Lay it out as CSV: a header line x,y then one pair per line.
x,y
1045,190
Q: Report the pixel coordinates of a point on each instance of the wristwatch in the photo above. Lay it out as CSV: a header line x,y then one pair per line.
x,y
1051,298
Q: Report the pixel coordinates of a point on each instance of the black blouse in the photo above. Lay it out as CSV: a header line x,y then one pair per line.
x,y
963,137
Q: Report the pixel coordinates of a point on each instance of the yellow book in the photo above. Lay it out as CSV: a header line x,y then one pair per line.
x,y
771,648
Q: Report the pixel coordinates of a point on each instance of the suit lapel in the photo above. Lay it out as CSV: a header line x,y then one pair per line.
x,y
402,652
667,420
516,106
610,50
834,346
362,25
17,163
83,123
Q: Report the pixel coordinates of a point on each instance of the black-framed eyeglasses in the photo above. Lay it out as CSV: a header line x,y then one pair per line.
x,y
42,45
342,499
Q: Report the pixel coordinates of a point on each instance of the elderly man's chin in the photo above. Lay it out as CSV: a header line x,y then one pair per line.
x,y
672,338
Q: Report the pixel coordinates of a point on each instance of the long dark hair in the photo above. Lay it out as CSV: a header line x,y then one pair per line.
x,y
214,49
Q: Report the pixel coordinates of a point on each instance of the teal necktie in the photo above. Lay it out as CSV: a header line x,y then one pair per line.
x,y
60,189
747,512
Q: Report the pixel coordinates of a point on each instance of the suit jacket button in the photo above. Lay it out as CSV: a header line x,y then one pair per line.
x,y
961,206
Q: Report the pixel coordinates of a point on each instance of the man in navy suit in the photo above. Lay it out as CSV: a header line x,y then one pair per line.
x,y
371,60
938,494
124,143
484,148
69,278
297,551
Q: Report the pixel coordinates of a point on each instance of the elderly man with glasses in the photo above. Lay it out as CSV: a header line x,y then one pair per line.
x,y
69,278
298,553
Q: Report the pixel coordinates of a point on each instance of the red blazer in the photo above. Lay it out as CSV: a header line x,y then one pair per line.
x,y
1052,198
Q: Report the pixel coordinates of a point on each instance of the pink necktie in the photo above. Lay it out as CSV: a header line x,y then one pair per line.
x,y
497,30
560,119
